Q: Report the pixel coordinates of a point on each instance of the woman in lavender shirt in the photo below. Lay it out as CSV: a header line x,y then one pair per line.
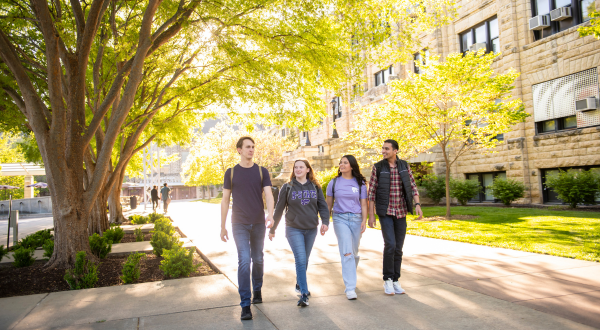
x,y
347,194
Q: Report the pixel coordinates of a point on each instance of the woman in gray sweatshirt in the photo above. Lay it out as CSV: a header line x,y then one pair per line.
x,y
305,202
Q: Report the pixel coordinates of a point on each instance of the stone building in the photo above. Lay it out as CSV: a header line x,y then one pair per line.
x,y
558,85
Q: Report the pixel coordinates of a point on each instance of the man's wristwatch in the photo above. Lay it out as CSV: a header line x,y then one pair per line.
x,y
417,204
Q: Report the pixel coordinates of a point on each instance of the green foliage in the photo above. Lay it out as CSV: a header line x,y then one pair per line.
x,y
324,177
162,241
574,186
594,28
139,235
137,219
152,217
165,226
131,267
23,257
435,187
219,195
84,275
463,190
3,252
36,239
178,262
114,234
48,248
100,246
507,190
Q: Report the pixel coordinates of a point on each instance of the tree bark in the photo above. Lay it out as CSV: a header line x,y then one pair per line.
x,y
114,205
447,183
98,219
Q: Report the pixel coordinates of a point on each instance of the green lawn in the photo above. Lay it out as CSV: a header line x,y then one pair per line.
x,y
216,200
573,234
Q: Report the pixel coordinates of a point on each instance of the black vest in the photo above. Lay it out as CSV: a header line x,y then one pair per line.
x,y
382,194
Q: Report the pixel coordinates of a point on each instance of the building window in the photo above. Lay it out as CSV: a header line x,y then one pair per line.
x,y
485,180
283,132
554,102
580,13
337,110
383,76
418,58
484,35
549,195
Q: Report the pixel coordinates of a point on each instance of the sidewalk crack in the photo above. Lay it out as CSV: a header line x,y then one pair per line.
x,y
36,305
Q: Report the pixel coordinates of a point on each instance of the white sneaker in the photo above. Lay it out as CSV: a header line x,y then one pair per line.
x,y
398,289
388,287
351,295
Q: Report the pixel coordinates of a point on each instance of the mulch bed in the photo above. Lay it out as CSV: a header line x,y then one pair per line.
x,y
454,217
130,238
36,279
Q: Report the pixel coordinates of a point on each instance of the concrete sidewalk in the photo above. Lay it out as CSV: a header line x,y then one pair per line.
x,y
449,285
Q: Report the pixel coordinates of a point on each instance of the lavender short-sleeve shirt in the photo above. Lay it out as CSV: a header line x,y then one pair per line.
x,y
347,195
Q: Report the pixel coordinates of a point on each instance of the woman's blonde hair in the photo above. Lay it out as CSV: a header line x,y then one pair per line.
x,y
310,175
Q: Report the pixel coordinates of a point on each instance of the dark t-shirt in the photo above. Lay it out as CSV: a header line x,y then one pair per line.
x,y
248,207
154,194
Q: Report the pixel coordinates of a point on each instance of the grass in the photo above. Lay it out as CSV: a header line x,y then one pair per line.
x,y
216,200
572,234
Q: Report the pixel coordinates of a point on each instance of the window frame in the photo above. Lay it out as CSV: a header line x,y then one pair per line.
x,y
481,195
416,69
488,39
546,192
381,74
576,14
559,125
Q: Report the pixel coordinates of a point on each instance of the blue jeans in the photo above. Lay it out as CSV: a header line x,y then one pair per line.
x,y
394,231
301,241
347,230
249,240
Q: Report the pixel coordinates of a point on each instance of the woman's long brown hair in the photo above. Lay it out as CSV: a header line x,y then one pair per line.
x,y
310,175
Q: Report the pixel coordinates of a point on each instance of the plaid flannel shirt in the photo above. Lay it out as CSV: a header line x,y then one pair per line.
x,y
397,204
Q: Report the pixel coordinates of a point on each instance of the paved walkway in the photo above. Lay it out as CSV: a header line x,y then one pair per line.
x,y
449,285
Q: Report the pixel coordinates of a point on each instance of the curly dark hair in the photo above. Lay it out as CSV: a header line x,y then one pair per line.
x,y
355,169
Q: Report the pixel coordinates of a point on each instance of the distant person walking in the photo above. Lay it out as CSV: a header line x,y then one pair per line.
x,y
155,198
165,192
305,201
347,196
247,181
392,190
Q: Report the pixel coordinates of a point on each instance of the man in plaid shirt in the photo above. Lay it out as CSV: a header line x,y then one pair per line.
x,y
392,190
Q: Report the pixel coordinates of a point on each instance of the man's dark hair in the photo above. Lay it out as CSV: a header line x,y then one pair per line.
x,y
393,143
240,142
165,184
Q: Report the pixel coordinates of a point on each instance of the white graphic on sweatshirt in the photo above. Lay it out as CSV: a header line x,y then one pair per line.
x,y
354,190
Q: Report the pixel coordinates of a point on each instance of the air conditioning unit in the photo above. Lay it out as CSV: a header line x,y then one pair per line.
x,y
539,22
477,46
561,13
587,104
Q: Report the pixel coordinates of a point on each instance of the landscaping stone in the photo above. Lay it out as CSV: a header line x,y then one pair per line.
x,y
37,254
145,247
146,228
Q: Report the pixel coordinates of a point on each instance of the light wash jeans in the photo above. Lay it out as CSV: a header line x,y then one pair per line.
x,y
301,241
347,231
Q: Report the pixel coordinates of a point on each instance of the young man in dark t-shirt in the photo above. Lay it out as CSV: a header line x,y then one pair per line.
x,y
247,220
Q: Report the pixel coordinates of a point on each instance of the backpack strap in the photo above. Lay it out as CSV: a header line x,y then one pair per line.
x,y
231,178
259,170
333,188
287,197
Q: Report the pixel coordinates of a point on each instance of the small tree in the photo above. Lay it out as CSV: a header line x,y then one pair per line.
x,y
459,105
435,187
463,190
574,186
594,28
507,190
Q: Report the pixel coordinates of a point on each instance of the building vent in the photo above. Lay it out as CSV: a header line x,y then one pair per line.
x,y
539,22
561,13
477,46
587,104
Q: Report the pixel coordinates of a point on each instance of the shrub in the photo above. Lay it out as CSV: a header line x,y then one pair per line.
x,y
435,187
3,252
463,190
131,267
139,235
114,234
161,241
219,195
324,177
507,190
100,246
35,240
23,257
178,262
165,226
152,217
137,219
48,248
574,187
84,275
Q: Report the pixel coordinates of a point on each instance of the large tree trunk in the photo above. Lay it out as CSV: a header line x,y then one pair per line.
x,y
98,220
114,204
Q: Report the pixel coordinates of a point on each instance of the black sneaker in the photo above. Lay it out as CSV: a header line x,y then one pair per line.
x,y
257,298
298,290
246,313
303,302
